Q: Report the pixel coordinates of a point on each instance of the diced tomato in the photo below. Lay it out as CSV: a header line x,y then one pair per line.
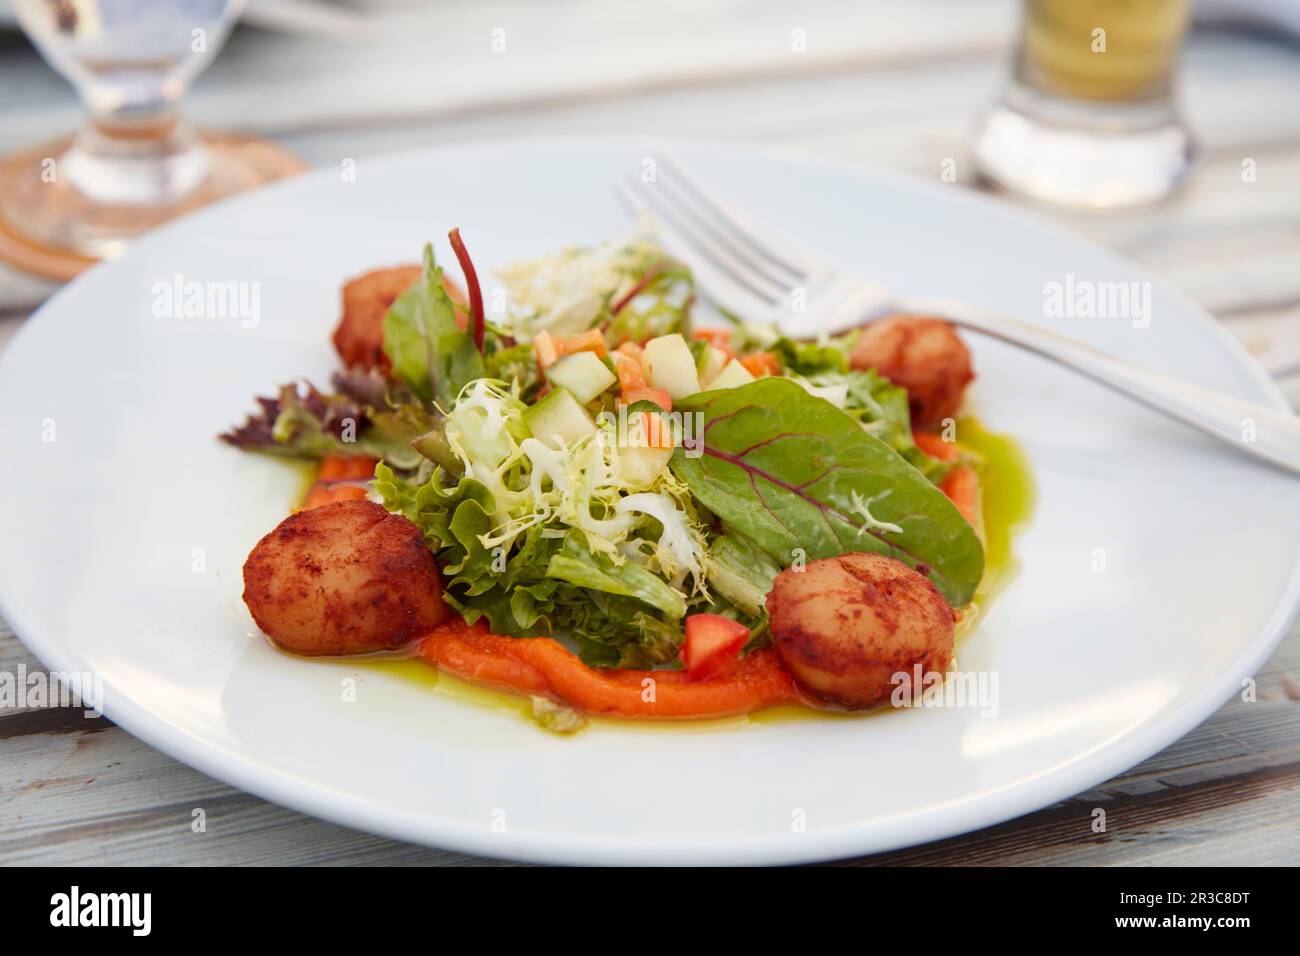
x,y
718,338
934,446
630,373
593,340
658,432
546,349
713,644
761,363
659,396
962,486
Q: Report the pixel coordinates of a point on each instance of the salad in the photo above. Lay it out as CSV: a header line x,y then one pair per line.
x,y
592,502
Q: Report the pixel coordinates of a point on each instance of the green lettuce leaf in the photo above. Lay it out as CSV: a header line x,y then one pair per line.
x,y
428,350
659,305
616,615
741,572
306,423
882,408
797,475
578,564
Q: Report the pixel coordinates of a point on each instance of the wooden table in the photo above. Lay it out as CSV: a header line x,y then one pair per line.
x,y
897,84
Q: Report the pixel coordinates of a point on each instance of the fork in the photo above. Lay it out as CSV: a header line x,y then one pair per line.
x,y
755,272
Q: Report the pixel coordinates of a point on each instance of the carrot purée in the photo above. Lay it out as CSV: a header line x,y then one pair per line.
x,y
336,468
543,666
320,495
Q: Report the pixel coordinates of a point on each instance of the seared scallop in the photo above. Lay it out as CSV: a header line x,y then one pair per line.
x,y
845,626
359,337
925,356
345,578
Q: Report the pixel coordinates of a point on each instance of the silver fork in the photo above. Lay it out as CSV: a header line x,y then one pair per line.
x,y
761,275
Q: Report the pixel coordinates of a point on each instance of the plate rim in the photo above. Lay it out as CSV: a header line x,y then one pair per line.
x,y
975,811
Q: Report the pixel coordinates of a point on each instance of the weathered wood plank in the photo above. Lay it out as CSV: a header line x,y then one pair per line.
x,y
1226,793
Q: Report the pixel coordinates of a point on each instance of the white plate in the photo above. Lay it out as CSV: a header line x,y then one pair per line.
x,y
1096,670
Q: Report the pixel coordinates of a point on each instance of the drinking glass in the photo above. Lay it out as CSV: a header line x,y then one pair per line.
x,y
137,162
1088,118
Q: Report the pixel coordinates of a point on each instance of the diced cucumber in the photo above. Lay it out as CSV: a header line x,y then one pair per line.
x,y
583,374
699,349
710,365
466,427
640,465
558,418
732,376
670,365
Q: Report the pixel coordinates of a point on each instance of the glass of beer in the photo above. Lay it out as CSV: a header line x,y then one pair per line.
x,y
1088,118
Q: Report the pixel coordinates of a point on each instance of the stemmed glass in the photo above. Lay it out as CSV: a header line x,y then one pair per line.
x,y
137,163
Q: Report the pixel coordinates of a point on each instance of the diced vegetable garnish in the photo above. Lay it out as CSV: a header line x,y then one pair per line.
x,y
559,418
934,445
590,341
713,643
639,466
659,396
630,374
718,338
670,365
658,433
761,363
583,374
732,376
962,486
546,349
711,363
